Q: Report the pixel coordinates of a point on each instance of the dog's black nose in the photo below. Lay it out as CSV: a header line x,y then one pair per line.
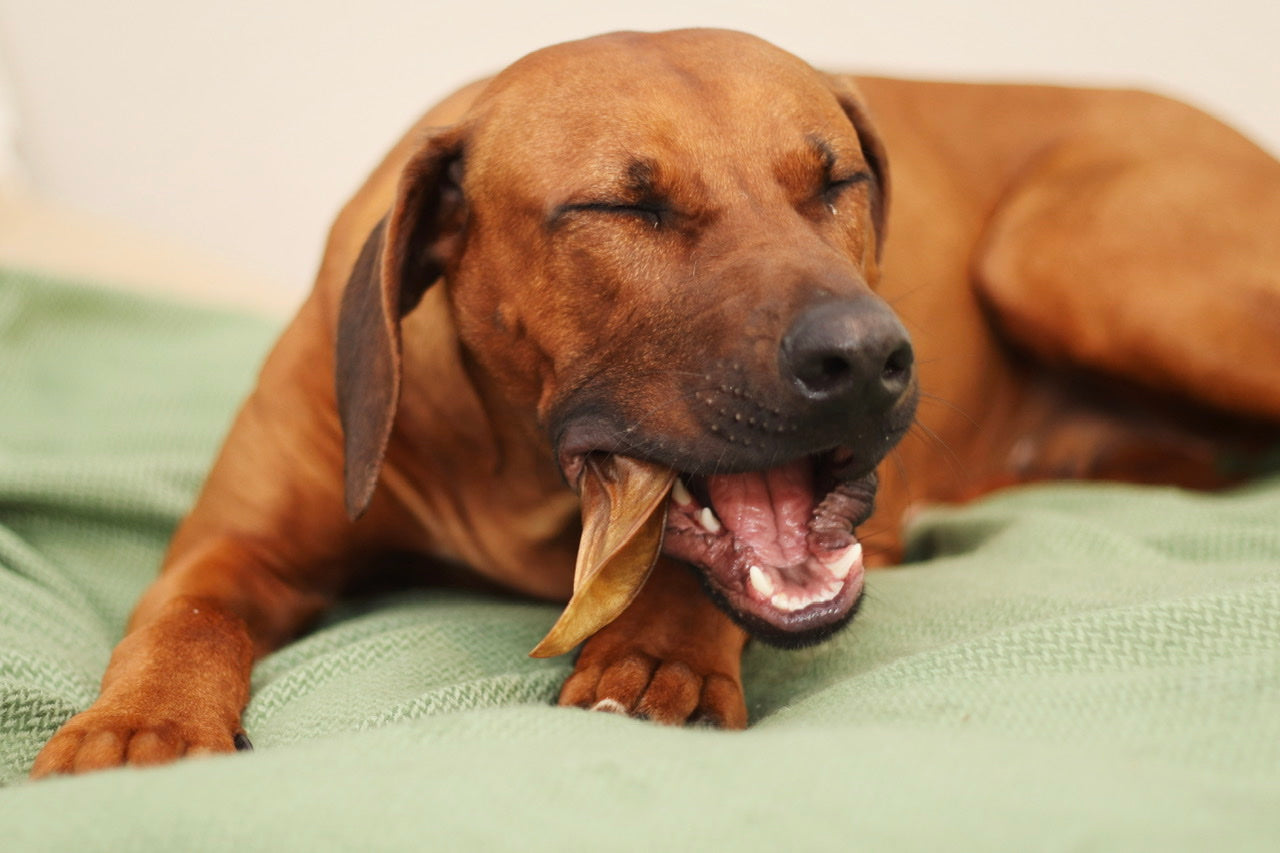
x,y
851,352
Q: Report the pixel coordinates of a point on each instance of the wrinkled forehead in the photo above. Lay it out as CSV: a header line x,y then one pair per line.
x,y
705,97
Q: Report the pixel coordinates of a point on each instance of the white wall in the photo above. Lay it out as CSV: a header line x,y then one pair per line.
x,y
239,126
9,166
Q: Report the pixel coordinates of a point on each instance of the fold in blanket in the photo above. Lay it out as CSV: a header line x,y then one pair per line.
x,y
1064,666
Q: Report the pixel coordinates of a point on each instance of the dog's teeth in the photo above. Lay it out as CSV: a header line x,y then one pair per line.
x,y
840,568
708,519
761,582
789,603
799,601
680,493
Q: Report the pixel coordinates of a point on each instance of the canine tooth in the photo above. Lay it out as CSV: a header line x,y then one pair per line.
x,y
840,568
761,582
680,493
708,519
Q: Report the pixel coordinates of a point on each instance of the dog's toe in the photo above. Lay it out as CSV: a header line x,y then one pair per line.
x,y
152,747
58,755
672,694
722,704
623,681
99,749
98,739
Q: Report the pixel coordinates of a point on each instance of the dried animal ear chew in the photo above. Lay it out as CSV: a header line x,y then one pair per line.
x,y
624,511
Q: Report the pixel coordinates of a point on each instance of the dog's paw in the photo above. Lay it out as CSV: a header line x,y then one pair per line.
x,y
671,691
100,738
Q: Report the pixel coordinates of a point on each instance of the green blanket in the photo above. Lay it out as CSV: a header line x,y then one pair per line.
x,y
1063,668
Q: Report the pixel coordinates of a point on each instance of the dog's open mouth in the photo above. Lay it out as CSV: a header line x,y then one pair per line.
x,y
776,547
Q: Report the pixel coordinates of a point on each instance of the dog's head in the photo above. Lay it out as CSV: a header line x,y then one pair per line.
x,y
664,246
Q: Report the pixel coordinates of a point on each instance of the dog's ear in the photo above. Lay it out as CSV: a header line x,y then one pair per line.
x,y
873,152
404,255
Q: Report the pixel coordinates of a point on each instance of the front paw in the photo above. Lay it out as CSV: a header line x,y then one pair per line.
x,y
100,738
671,691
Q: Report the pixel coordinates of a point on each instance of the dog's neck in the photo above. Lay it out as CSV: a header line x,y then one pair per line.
x,y
455,422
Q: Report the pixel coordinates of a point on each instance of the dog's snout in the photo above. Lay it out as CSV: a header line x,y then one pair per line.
x,y
851,352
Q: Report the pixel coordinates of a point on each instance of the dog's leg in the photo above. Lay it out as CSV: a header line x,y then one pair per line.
x,y
1147,247
264,550
178,681
672,657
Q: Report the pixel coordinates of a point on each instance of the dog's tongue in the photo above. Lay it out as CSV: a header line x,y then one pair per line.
x,y
624,505
769,510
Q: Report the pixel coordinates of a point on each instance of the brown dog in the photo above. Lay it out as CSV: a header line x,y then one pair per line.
x,y
669,247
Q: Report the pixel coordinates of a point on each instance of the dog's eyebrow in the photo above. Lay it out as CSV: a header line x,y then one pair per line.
x,y
820,161
825,152
633,183
642,176
830,157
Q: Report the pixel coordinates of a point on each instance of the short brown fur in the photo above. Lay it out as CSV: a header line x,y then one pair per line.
x,y
1041,239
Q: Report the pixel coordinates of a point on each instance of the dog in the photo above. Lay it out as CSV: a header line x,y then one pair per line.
x,y
671,248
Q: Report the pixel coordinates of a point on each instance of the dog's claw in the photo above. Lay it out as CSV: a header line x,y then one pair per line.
x,y
242,742
609,706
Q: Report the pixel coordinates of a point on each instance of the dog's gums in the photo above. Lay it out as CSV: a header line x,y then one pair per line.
x,y
776,547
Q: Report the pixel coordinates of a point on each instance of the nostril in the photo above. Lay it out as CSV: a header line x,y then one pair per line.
x,y
824,372
897,368
834,369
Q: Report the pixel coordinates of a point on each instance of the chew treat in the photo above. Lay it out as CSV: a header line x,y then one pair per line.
x,y
624,510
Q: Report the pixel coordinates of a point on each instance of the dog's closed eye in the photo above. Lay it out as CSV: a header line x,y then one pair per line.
x,y
650,212
835,185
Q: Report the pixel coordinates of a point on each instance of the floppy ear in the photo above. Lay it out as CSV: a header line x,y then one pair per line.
x,y
873,152
404,255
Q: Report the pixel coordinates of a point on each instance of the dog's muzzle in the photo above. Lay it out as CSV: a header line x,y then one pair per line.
x,y
768,514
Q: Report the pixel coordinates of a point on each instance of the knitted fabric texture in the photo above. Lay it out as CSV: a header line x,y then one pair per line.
x,y
1060,667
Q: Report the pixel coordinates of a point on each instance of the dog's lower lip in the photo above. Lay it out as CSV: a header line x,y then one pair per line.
x,y
581,437
571,467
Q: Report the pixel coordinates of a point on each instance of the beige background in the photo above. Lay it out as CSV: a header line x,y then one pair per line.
x,y
235,129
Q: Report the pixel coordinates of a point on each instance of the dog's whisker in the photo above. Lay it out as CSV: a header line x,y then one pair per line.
x,y
901,466
958,468
899,298
925,396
